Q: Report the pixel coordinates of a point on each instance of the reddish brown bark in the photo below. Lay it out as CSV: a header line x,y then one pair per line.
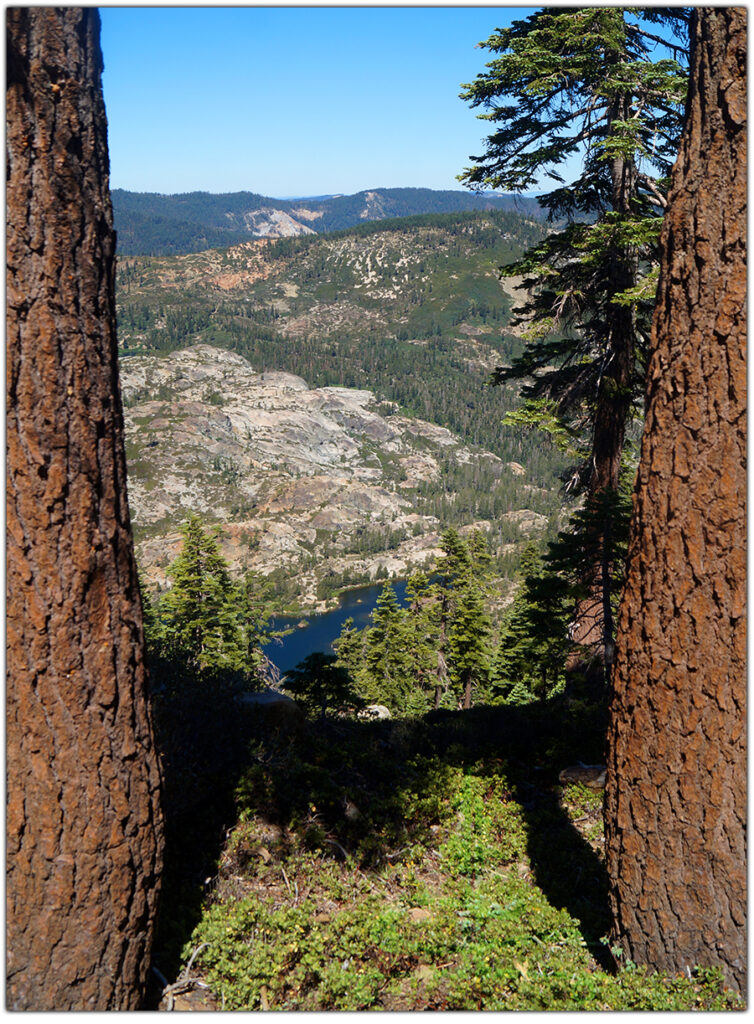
x,y
676,783
84,827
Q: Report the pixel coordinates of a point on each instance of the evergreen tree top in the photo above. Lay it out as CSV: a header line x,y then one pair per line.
x,y
555,91
597,93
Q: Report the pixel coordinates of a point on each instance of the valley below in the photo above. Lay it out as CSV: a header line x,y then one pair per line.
x,y
323,402
322,486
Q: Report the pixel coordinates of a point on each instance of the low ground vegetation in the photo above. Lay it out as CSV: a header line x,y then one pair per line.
x,y
421,863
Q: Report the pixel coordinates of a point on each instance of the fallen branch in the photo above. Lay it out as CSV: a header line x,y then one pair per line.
x,y
393,856
337,845
184,982
183,985
193,957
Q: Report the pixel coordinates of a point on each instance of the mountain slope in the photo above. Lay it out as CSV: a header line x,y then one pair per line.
x,y
320,485
412,309
325,398
165,224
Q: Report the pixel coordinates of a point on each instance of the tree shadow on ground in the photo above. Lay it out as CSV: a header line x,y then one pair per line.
x,y
364,790
203,747
536,741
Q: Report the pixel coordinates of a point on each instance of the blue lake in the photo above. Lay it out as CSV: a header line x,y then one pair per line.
x,y
321,630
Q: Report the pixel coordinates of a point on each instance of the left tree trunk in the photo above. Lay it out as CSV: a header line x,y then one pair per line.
x,y
84,826
675,806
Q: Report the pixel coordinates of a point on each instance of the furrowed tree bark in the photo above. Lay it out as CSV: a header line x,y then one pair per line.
x,y
84,825
676,783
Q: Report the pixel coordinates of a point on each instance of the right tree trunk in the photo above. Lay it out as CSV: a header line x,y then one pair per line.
x,y
676,785
84,827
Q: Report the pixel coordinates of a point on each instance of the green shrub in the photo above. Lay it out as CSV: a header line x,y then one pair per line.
x,y
454,888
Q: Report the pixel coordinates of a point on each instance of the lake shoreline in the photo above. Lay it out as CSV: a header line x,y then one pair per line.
x,y
331,604
356,602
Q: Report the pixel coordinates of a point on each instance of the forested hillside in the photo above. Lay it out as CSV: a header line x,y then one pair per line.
x,y
163,224
408,315
315,488
411,309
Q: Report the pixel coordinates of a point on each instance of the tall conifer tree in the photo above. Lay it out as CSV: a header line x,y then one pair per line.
x,y
675,800
468,640
198,614
423,627
599,86
452,566
84,828
533,641
349,648
386,655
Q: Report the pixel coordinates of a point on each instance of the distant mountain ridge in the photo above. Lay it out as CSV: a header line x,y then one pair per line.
x,y
150,223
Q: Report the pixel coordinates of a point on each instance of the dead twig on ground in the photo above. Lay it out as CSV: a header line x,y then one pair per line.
x,y
184,983
337,846
288,884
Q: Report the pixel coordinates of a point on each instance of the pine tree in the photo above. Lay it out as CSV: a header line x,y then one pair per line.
x,y
479,556
534,636
676,793
423,628
321,683
453,566
253,610
455,562
152,625
198,612
468,640
594,547
349,647
470,626
586,83
386,654
84,825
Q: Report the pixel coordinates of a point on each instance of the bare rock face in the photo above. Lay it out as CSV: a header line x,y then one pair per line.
x,y
376,712
287,469
84,826
527,521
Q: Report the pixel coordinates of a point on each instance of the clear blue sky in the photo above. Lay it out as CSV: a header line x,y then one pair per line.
x,y
293,101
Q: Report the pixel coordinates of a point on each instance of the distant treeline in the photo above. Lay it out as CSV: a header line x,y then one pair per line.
x,y
150,223
482,227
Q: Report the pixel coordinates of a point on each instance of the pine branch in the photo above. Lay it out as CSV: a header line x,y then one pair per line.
x,y
649,183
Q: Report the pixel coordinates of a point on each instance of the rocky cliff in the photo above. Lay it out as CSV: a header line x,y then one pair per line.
x,y
311,481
